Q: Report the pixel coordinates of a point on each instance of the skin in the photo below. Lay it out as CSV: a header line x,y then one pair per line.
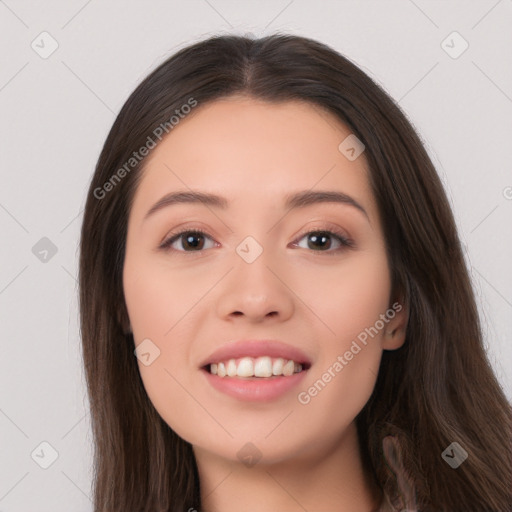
x,y
316,297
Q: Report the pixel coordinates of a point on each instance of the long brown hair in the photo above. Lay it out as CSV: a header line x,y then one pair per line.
x,y
438,389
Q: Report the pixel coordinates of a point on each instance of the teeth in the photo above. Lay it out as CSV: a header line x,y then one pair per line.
x,y
231,368
245,367
264,367
277,367
288,368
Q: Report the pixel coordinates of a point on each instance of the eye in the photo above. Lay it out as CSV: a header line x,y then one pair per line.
x,y
193,241
324,240
320,240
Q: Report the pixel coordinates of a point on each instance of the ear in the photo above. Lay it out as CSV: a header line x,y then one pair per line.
x,y
396,328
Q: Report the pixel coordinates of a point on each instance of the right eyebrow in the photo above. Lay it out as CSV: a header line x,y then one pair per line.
x,y
187,197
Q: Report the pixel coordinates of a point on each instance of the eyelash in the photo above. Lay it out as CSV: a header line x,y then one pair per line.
x,y
345,242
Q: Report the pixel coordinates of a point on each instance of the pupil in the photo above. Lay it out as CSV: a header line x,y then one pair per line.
x,y
322,238
190,242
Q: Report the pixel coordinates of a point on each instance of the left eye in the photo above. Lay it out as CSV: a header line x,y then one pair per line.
x,y
323,239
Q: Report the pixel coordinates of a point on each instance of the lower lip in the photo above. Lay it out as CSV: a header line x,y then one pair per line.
x,y
256,389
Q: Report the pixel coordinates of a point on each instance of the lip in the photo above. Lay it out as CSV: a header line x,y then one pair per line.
x,y
255,388
256,348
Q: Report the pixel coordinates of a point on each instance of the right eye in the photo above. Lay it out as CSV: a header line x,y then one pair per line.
x,y
193,241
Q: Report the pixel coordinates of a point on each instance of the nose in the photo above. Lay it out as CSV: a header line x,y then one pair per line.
x,y
255,292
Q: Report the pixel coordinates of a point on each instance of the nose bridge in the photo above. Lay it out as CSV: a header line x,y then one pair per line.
x,y
257,248
252,266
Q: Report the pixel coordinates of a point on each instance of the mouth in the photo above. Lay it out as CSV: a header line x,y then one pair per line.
x,y
256,370
263,367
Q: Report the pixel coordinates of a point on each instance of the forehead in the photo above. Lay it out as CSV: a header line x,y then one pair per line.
x,y
253,151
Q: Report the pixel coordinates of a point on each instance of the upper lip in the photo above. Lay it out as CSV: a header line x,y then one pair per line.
x,y
256,348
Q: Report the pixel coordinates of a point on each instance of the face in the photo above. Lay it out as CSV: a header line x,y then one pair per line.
x,y
255,279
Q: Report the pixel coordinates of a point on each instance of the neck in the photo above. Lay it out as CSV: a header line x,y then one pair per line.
x,y
330,480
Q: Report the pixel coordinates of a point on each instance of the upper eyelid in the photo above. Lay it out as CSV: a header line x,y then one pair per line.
x,y
326,227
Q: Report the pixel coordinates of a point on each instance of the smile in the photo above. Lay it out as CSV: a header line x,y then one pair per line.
x,y
255,370
262,367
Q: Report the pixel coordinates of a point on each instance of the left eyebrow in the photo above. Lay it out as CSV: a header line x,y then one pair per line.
x,y
300,199
309,197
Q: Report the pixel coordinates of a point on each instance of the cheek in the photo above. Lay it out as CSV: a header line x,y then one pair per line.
x,y
343,377
159,305
156,298
351,298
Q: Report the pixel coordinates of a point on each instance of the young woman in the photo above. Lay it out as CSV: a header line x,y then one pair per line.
x,y
275,308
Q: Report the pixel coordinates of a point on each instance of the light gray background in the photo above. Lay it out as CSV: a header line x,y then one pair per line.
x,y
56,113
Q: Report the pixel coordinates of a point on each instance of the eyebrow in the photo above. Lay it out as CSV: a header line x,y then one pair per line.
x,y
300,199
